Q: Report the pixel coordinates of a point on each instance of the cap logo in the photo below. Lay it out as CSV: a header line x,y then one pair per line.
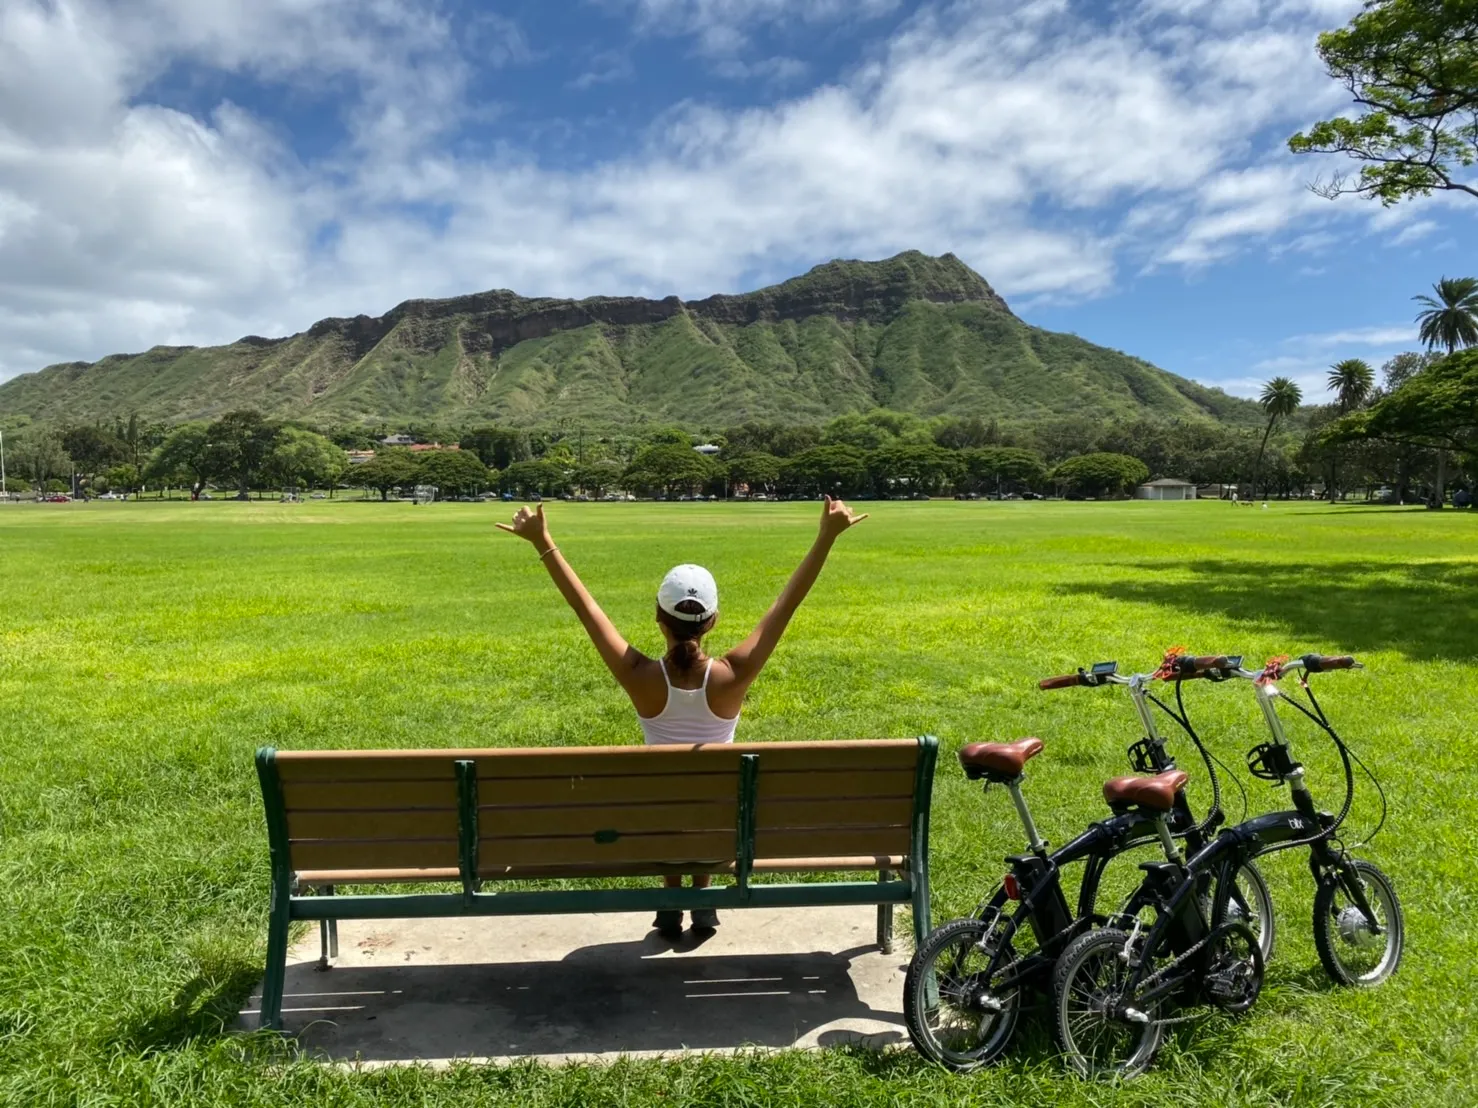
x,y
692,592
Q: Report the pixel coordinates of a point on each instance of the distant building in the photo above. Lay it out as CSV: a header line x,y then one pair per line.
x,y
1166,488
359,457
398,440
420,446
708,448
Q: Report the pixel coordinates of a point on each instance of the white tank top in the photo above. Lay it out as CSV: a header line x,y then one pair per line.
x,y
687,718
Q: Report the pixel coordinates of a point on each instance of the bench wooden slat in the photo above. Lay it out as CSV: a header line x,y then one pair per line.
x,y
773,785
374,876
824,844
714,815
370,795
581,791
316,854
715,846
370,765
413,824
775,815
833,785
861,863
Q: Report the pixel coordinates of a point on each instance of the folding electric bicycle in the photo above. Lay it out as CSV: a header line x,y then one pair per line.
x,y
970,978
1112,986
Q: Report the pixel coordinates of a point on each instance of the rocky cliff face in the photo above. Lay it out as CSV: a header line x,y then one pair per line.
x,y
491,322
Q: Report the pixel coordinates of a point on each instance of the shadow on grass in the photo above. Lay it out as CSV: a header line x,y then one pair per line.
x,y
205,1007
1425,611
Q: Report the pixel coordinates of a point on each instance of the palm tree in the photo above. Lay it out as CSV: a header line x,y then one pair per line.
x,y
1351,381
1451,318
1280,397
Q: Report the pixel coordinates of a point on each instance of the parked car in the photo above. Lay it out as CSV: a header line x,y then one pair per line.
x,y
58,498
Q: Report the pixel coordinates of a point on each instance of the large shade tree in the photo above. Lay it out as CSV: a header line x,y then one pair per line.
x,y
454,472
1436,408
1411,69
241,442
389,469
1101,474
185,456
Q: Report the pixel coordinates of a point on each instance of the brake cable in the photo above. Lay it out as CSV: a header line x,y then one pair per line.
x,y
1323,721
1180,703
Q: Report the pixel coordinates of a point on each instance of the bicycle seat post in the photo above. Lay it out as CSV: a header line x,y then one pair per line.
x,y
1167,840
1014,788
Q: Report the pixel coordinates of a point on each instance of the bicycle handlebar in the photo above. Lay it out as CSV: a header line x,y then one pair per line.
x,y
1066,681
1318,663
1188,668
1309,663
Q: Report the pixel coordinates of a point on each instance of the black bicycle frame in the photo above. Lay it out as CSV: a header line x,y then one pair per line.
x,y
1167,887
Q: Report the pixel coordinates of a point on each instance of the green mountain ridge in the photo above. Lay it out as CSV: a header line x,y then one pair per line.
x,y
914,333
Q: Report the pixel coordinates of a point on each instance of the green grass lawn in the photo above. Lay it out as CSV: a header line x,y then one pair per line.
x,y
147,650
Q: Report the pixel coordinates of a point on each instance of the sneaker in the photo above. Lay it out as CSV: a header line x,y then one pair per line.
x,y
705,919
669,923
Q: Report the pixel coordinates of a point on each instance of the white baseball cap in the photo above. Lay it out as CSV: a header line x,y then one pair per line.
x,y
688,582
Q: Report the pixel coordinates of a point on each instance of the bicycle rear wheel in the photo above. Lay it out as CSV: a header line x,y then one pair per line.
x,y
954,1015
1095,1033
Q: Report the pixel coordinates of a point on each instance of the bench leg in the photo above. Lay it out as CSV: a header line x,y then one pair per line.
x,y
921,926
328,936
276,975
885,920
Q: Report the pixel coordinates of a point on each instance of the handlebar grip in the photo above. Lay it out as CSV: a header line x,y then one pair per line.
x,y
1211,661
1064,682
1317,663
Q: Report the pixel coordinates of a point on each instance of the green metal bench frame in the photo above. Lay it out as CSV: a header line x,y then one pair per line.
x,y
910,886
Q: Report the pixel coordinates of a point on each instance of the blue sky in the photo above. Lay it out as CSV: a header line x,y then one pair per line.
x,y
179,171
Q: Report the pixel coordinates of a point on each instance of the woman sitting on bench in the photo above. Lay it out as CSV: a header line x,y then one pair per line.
x,y
685,696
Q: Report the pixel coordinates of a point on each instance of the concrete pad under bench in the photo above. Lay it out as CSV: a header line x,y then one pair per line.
x,y
592,987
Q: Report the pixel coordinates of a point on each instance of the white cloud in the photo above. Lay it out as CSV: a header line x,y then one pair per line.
x,y
1398,334
725,26
1044,150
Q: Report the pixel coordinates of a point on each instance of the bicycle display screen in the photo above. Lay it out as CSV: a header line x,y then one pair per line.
x,y
1103,669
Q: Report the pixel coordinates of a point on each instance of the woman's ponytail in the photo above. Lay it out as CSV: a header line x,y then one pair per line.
x,y
688,636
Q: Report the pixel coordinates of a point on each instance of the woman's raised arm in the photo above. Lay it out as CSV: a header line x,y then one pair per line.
x,y
749,657
619,656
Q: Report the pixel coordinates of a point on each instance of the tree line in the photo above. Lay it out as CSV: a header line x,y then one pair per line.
x,y
1398,433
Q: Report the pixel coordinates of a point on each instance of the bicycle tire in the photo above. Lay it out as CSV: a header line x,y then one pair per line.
x,y
1340,929
1264,926
917,1006
1087,955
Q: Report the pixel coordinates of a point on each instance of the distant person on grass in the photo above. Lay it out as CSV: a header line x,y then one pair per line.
x,y
685,696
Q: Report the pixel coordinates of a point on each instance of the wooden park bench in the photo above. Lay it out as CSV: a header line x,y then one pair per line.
x,y
357,817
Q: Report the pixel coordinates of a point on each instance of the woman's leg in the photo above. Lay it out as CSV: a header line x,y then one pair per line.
x,y
704,919
669,921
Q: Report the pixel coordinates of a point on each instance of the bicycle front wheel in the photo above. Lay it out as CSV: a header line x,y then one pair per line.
x,y
1356,949
954,1016
1248,901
